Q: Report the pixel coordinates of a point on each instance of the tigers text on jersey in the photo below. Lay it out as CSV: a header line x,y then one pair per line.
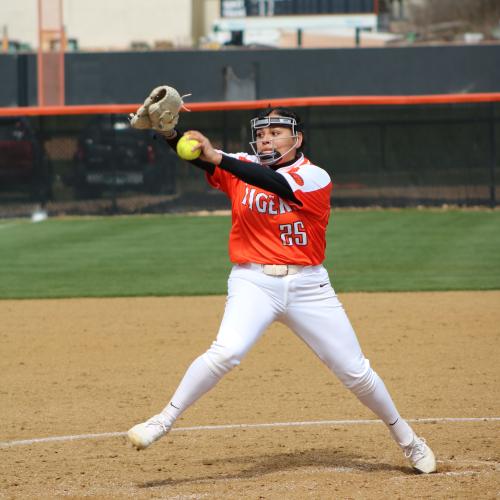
x,y
269,230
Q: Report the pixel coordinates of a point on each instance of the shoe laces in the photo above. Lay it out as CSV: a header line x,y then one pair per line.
x,y
156,421
416,449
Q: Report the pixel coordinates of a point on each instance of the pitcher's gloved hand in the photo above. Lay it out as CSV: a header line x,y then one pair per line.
x,y
160,110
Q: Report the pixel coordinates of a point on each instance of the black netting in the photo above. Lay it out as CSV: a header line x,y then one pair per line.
x,y
376,155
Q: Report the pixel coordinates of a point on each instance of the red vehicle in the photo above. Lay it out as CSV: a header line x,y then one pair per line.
x,y
24,166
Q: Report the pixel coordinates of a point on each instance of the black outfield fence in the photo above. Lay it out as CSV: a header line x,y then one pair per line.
x,y
383,155
245,74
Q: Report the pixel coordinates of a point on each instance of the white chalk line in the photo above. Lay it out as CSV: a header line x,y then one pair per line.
x,y
22,442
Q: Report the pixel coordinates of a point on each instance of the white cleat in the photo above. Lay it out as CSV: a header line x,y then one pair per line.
x,y
420,456
144,434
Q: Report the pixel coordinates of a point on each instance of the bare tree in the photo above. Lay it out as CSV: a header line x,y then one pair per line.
x,y
448,18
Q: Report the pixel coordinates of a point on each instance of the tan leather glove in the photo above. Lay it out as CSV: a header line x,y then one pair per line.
x,y
160,110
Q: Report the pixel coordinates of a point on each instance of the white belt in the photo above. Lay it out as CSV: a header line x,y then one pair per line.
x,y
276,269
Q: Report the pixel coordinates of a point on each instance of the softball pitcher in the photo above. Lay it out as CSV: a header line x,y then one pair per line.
x,y
280,208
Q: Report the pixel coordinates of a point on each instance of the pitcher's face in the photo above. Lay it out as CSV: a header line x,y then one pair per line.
x,y
279,139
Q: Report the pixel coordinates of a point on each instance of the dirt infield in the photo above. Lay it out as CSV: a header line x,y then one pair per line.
x,y
80,367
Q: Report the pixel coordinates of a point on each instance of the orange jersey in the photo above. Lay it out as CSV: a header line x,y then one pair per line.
x,y
269,230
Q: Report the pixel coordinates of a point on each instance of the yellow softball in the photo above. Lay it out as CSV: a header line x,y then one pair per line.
x,y
185,148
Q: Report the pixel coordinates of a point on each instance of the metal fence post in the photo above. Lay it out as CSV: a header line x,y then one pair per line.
x,y
114,169
493,156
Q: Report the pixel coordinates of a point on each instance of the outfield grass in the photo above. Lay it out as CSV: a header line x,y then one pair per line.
x,y
368,250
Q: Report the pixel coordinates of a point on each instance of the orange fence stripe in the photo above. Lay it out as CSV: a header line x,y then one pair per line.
x,y
263,103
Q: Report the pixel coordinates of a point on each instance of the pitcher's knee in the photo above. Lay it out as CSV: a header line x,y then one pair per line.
x,y
221,359
361,384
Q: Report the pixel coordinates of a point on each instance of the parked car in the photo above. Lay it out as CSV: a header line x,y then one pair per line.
x,y
113,157
25,169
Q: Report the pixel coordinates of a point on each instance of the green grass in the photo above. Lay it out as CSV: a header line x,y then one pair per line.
x,y
368,250
415,250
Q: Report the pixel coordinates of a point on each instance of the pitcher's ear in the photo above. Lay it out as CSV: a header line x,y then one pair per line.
x,y
300,139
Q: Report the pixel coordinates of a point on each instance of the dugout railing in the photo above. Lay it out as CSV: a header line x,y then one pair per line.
x,y
383,151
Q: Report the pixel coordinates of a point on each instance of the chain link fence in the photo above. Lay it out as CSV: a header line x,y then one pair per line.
x,y
399,156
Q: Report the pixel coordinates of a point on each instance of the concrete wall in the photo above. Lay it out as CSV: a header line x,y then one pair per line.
x,y
105,24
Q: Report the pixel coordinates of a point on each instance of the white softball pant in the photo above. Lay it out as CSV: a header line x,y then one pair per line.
x,y
307,303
